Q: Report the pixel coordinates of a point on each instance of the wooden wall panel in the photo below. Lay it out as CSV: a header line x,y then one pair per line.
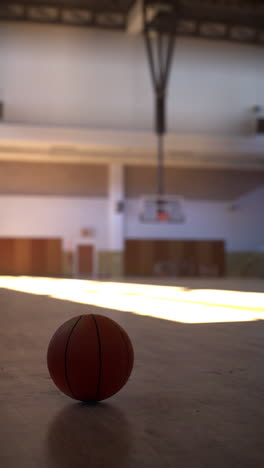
x,y
38,257
175,249
161,250
42,257
189,264
193,183
219,257
6,256
145,258
85,259
132,258
22,257
53,179
204,257
174,258
54,257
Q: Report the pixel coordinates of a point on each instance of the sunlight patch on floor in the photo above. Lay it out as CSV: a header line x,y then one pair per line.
x,y
166,302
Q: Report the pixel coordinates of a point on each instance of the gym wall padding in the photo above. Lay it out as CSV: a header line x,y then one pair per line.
x,y
174,258
42,257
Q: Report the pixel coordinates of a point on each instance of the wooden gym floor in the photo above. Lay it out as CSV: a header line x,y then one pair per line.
x,y
195,398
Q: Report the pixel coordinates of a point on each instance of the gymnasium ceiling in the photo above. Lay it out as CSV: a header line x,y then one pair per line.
x,y
233,20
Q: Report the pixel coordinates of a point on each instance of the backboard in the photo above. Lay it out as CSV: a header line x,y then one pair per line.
x,y
161,209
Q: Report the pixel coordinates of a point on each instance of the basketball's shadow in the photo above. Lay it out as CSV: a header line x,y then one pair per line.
x,y
84,435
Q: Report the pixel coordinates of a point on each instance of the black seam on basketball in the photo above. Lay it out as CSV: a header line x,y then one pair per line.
x,y
66,355
127,351
100,358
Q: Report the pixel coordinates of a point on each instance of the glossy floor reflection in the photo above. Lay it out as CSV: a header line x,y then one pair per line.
x,y
84,435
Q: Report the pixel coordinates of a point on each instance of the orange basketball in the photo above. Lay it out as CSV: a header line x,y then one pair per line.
x,y
90,357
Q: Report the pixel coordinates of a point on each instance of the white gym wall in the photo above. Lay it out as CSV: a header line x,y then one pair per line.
x,y
76,77
49,217
68,77
239,223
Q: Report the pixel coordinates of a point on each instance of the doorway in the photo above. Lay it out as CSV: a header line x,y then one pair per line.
x,y
85,260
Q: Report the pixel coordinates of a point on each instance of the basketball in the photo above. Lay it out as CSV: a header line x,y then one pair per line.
x,y
90,357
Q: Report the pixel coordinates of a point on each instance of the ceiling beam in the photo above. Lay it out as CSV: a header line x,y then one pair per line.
x,y
235,21
50,14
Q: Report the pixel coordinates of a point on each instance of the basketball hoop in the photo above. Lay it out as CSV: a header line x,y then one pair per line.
x,y
163,216
161,208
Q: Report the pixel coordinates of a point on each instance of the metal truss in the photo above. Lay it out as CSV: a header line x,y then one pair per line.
x,y
47,13
220,31
232,20
159,24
